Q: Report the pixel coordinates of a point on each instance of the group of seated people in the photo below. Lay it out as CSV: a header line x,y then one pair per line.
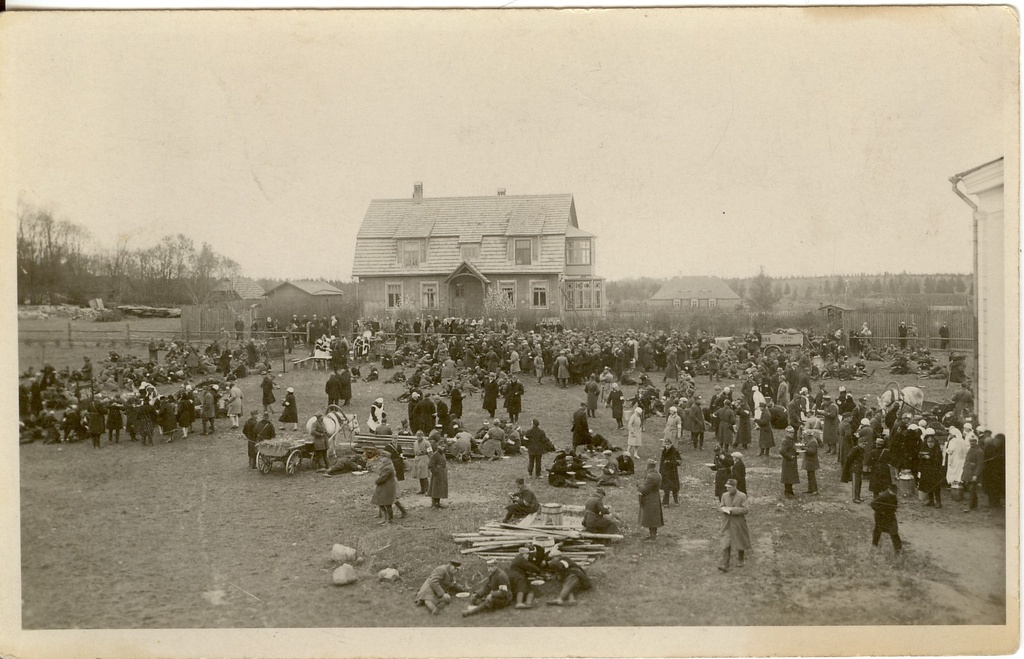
x,y
569,469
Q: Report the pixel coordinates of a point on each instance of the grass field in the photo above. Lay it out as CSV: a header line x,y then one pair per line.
x,y
185,535
45,341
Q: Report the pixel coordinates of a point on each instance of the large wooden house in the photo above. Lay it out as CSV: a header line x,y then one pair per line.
x,y
443,255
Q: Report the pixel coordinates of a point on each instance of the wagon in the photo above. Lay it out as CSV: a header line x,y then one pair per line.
x,y
776,342
288,452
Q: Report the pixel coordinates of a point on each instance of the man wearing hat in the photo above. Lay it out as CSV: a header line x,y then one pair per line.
x,y
290,413
580,428
845,402
650,513
267,385
615,402
790,473
495,593
437,589
262,430
881,474
974,464
537,444
209,414
734,533
884,505
830,425
524,502
249,432
855,466
597,516
668,466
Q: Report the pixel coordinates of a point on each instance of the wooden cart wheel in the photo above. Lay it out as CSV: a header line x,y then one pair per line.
x,y
291,467
772,351
264,463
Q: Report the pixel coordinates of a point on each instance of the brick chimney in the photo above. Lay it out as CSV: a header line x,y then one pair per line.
x,y
417,192
501,192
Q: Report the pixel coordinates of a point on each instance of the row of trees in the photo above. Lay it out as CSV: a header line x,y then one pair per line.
x,y
57,264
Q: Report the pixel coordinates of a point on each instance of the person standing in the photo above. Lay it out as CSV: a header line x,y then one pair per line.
x,y
790,473
830,427
490,398
438,467
345,392
209,414
811,463
673,425
421,461
514,399
235,403
593,391
956,452
726,425
580,428
929,470
267,385
561,368
115,421
97,424
734,534
739,471
854,468
249,432
884,505
697,424
973,470
944,337
634,433
290,413
538,367
994,478
385,492
668,467
333,389
455,408
319,433
537,444
615,402
766,437
650,513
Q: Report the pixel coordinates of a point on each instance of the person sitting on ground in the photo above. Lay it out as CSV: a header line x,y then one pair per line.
x,y
383,428
347,463
625,464
495,593
610,471
436,591
597,516
520,572
558,474
572,576
524,502
490,447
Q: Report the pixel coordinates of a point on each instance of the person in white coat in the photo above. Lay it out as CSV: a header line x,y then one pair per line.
x,y
956,453
758,398
376,415
634,433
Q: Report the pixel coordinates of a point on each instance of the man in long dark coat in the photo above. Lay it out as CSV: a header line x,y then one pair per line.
x,y
650,513
668,467
580,428
438,467
333,389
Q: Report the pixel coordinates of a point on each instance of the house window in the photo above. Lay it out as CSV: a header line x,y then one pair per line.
x,y
428,295
508,289
597,293
693,303
524,251
470,251
577,251
394,295
412,252
677,303
712,303
539,294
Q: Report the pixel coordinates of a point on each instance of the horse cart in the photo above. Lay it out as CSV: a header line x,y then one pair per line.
x,y
288,452
775,342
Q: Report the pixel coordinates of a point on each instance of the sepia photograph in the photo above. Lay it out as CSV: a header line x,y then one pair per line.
x,y
511,332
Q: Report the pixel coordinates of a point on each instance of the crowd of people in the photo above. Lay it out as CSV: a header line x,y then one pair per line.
x,y
778,404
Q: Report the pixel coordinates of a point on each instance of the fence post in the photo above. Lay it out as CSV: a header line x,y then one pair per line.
x,y
128,335
69,334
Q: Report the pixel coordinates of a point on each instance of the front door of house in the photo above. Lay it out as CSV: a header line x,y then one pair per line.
x,y
467,297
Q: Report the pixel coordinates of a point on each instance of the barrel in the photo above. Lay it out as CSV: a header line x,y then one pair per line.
x,y
551,514
907,486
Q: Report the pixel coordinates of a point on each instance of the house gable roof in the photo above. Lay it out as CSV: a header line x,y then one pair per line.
x,y
448,222
689,288
245,288
310,286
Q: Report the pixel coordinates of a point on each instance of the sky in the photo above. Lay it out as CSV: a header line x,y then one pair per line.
x,y
694,141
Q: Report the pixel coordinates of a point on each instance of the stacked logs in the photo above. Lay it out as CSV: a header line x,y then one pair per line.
x,y
502,541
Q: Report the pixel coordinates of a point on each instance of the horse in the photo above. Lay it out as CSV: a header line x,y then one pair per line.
x,y
335,422
911,397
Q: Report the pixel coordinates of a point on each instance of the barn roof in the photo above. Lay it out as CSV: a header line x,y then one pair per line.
x,y
688,288
310,286
245,288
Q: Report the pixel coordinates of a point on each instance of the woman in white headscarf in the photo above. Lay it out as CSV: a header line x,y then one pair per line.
x,y
956,453
376,415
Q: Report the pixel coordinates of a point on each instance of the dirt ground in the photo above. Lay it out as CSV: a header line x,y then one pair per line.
x,y
185,535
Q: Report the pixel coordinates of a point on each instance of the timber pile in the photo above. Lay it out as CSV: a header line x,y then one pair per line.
x,y
149,312
502,541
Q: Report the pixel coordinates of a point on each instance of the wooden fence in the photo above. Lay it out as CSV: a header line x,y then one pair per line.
x,y
884,326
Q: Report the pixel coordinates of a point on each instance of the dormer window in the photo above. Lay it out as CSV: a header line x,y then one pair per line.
x,y
524,251
577,251
412,252
469,251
